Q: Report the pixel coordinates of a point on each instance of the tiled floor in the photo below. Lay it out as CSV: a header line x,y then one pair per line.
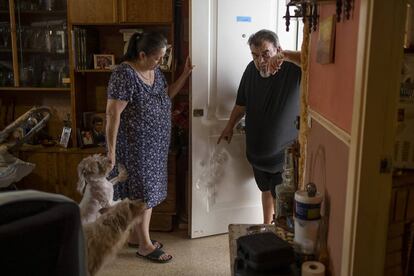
x,y
203,256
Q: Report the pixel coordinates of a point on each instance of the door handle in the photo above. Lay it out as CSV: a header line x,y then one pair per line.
x,y
198,112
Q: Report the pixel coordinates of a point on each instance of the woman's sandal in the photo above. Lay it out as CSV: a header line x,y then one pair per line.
x,y
156,243
155,256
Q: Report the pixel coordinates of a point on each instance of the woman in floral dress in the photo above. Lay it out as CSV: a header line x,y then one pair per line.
x,y
138,130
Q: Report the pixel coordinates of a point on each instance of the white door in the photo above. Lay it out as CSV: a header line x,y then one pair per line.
x,y
223,189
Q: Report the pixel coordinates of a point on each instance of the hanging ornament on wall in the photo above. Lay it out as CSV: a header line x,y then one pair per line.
x,y
308,11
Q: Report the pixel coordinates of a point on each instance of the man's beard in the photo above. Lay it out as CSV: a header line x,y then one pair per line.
x,y
264,73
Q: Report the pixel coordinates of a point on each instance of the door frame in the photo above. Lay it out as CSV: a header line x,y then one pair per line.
x,y
379,57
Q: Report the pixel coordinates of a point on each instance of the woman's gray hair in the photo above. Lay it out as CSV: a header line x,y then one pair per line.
x,y
148,43
257,38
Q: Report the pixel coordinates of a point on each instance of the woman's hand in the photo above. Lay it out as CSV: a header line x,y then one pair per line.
x,y
188,67
175,87
111,158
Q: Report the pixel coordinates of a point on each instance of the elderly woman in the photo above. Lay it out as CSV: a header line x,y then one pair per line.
x,y
138,130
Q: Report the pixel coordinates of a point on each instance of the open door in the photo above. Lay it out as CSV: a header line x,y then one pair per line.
x,y
223,189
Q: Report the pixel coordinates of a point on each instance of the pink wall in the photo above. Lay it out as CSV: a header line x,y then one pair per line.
x,y
327,166
331,90
331,86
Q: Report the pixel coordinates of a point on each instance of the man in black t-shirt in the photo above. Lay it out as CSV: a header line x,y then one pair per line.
x,y
268,95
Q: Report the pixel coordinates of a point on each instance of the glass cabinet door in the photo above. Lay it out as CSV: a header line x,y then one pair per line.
x,y
42,47
6,57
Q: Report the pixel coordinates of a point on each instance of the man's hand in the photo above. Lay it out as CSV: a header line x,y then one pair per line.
x,y
227,134
275,63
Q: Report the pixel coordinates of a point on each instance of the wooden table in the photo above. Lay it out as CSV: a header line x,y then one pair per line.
x,y
238,230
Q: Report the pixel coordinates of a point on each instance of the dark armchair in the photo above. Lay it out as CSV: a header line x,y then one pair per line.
x,y
40,234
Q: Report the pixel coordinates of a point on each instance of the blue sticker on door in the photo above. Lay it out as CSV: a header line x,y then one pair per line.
x,y
243,19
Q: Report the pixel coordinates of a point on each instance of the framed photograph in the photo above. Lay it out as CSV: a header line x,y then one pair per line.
x,y
103,61
85,139
97,126
96,123
326,41
64,138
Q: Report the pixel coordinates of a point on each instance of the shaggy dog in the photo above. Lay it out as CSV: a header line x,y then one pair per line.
x,y
105,236
97,191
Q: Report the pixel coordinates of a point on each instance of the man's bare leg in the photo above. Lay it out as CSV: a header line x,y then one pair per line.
x,y
268,207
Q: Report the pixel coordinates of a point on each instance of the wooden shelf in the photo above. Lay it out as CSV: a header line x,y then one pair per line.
x,y
40,148
125,25
44,13
42,52
34,89
93,71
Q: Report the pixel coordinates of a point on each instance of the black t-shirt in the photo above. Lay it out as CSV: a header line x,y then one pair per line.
x,y
272,105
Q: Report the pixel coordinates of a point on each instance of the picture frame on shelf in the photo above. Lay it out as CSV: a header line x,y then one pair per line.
x,y
167,59
85,139
64,138
96,123
103,62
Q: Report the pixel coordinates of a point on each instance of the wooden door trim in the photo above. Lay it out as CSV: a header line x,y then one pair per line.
x,y
376,89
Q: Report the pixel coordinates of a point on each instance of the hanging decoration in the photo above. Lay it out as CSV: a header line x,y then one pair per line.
x,y
308,11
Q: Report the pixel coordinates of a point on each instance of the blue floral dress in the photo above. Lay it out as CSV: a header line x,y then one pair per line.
x,y
143,136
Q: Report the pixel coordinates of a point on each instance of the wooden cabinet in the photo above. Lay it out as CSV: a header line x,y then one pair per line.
x,y
120,11
93,11
155,11
55,171
42,42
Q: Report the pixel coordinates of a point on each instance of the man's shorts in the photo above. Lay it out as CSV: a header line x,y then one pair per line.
x,y
267,181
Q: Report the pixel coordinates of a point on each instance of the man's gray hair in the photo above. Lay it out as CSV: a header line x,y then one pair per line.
x,y
257,39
